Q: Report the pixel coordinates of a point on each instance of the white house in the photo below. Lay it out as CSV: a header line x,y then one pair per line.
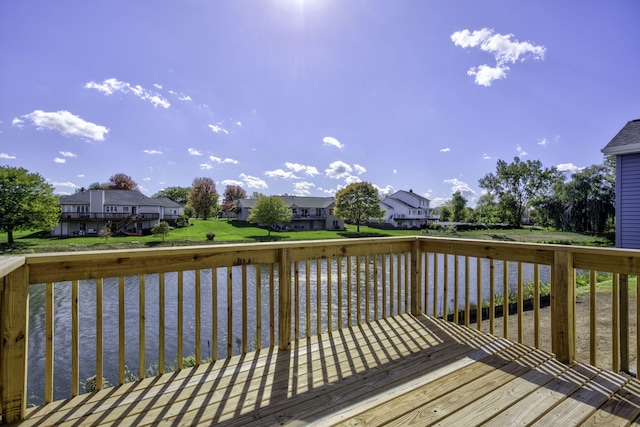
x,y
406,209
88,212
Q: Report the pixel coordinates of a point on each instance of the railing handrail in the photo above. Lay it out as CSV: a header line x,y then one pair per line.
x,y
17,273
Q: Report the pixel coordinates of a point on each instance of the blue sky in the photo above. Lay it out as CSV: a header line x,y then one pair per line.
x,y
306,96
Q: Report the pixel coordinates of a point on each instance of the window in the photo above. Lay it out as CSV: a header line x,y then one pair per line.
x,y
125,209
318,212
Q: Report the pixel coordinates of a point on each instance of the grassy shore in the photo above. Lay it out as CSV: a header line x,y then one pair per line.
x,y
230,231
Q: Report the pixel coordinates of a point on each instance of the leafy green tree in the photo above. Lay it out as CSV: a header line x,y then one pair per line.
x,y
121,181
231,195
458,204
517,185
162,229
445,213
358,203
270,210
487,210
26,202
177,194
203,197
96,186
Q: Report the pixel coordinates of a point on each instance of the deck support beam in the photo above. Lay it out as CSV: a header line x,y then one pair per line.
x,y
14,326
563,302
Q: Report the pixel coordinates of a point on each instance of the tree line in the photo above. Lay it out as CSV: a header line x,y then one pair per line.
x,y
584,202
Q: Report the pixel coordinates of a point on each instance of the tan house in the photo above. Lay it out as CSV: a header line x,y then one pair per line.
x,y
309,213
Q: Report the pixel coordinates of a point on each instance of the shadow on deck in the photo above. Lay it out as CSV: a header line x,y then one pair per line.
x,y
398,370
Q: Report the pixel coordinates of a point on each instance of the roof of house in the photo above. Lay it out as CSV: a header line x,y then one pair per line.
x,y
119,197
410,192
627,141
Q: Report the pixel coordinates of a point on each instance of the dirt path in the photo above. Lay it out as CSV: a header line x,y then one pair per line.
x,y
603,329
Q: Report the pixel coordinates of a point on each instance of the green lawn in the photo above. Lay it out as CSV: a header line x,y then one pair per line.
x,y
233,231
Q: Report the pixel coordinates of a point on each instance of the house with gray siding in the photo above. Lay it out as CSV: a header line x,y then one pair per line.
x,y
125,211
406,209
626,147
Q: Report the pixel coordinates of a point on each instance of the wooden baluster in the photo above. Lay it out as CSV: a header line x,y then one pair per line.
x,y
407,275
141,328
358,283
520,304
391,284
229,312
445,292
536,306
161,323
75,338
367,289
214,313
436,283
329,297
456,291
467,292
180,355
615,323
492,296
198,315
49,352
296,302
593,349
349,285
284,300
479,299
425,283
121,331
416,279
99,355
505,299
624,323
272,305
307,272
318,297
339,291
376,303
385,283
245,322
258,307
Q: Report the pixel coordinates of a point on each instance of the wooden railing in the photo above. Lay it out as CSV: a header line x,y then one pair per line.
x,y
101,312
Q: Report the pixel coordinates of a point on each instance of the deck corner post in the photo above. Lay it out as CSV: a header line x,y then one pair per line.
x,y
14,318
284,299
416,279
563,300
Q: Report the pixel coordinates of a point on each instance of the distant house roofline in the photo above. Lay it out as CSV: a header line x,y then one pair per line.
x,y
626,141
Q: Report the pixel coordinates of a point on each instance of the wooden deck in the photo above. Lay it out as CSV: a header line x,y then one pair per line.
x,y
399,371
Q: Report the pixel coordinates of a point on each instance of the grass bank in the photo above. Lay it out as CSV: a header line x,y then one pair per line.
x,y
228,231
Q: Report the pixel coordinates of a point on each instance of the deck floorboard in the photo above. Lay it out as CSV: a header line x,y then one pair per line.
x,y
396,371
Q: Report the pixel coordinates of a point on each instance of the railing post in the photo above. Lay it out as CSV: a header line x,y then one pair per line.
x,y
14,306
284,299
624,323
416,279
563,300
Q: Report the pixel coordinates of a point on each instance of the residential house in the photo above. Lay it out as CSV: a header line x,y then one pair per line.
x,y
406,209
125,211
309,213
626,147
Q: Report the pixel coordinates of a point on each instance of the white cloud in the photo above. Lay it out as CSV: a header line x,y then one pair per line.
x,y
81,175
110,86
338,170
232,182
395,171
194,152
329,140
253,182
146,179
297,167
485,156
59,160
152,152
352,179
503,47
359,169
239,123
205,166
64,184
67,124
385,191
220,160
445,150
158,86
6,156
279,173
438,201
218,129
569,167
485,75
303,188
17,122
544,142
67,154
521,152
461,186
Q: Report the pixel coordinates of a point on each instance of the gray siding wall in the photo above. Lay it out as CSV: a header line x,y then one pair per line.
x,y
628,201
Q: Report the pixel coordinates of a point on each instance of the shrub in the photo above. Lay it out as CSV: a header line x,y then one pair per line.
x,y
211,235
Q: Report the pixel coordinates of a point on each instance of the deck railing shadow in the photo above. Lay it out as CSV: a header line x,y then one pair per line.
x,y
259,297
